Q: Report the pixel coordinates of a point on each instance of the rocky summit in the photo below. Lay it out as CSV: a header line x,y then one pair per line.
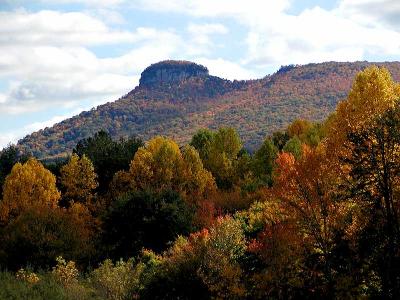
x,y
169,72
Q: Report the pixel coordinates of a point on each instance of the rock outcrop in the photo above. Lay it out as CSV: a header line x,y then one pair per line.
x,y
170,71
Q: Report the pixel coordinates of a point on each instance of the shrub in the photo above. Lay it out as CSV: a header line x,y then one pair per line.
x,y
26,276
65,272
115,281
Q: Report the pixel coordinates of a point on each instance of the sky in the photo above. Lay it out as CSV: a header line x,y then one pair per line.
x,y
60,57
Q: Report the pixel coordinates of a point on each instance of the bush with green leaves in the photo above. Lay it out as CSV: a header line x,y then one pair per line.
x,y
117,281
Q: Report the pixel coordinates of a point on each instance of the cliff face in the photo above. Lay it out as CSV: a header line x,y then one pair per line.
x,y
167,72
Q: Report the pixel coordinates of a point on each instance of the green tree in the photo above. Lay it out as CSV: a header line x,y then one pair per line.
x,y
220,269
197,181
263,161
201,141
203,266
157,165
222,157
115,281
314,135
293,146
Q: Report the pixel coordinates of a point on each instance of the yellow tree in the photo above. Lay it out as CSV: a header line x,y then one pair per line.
x,y
28,184
373,92
196,179
157,165
161,165
79,179
359,149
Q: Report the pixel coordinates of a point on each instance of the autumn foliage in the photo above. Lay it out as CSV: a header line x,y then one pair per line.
x,y
28,184
312,214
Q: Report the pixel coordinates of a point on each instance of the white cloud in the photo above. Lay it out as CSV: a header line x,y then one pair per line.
x,y
54,76
355,29
109,16
207,29
52,66
40,125
386,12
245,11
317,35
164,45
54,28
8,138
226,69
91,3
201,41
3,98
105,3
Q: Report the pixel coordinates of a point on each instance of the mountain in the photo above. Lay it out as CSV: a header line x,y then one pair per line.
x,y
176,98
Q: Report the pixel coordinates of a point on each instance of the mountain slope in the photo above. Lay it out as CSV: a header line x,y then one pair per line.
x,y
175,98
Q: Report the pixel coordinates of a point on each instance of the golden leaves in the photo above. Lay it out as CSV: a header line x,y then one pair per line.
x,y
28,184
162,165
373,92
79,179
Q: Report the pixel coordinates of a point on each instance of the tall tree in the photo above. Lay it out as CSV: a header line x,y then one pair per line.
x,y
307,188
374,184
263,161
280,139
78,179
39,234
201,141
197,181
222,157
373,92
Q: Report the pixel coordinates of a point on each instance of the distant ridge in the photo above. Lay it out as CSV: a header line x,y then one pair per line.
x,y
176,98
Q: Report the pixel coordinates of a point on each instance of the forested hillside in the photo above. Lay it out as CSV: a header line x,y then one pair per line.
x,y
176,98
313,213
